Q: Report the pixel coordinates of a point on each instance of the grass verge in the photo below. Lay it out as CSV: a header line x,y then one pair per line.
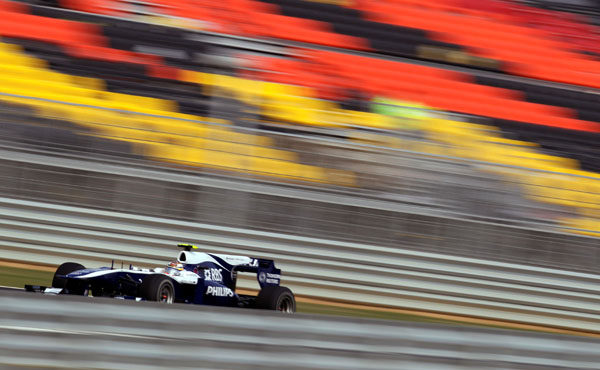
x,y
325,309
18,277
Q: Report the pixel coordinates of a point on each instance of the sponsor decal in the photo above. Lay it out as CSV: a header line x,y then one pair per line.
x,y
272,278
213,274
236,259
269,278
253,262
219,291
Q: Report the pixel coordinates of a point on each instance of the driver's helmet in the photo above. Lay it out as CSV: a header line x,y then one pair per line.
x,y
175,265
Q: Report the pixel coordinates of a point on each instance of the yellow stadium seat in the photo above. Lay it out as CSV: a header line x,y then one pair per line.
x,y
128,101
37,74
584,225
9,57
154,126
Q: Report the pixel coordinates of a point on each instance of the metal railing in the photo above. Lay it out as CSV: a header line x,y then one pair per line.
x,y
405,198
274,207
353,272
59,332
399,173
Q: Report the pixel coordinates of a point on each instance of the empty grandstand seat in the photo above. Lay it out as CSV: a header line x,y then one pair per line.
x,y
215,147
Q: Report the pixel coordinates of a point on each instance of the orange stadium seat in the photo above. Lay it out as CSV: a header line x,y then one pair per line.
x,y
80,39
435,87
488,38
501,36
496,31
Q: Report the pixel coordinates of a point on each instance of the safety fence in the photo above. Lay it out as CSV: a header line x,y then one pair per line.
x,y
446,168
362,159
78,332
313,267
370,217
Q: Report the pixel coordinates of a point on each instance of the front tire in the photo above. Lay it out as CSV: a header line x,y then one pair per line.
x,y
158,288
278,298
59,281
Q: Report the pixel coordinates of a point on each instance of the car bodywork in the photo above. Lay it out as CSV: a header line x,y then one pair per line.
x,y
197,277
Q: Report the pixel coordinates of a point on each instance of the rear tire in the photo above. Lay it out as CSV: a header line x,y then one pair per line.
x,y
278,298
158,288
64,269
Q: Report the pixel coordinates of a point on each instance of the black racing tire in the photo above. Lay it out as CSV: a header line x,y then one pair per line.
x,y
278,298
158,288
64,269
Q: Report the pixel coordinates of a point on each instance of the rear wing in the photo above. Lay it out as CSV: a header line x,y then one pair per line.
x,y
266,272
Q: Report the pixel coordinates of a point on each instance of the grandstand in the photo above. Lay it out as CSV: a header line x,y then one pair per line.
x,y
61,70
506,84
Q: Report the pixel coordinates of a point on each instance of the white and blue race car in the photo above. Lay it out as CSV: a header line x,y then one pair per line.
x,y
195,277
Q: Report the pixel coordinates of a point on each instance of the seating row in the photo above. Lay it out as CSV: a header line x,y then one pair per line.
x,y
451,31
447,90
317,74
159,131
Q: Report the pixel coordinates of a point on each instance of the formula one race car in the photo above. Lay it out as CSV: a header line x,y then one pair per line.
x,y
195,277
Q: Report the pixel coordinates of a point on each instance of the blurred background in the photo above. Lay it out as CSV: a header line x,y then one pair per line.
x,y
460,128
453,108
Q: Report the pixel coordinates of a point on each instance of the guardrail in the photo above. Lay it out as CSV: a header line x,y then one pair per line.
x,y
374,166
413,199
80,332
353,272
388,164
379,218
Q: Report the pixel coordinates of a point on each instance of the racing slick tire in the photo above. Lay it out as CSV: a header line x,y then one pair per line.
x,y
64,269
278,298
158,288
